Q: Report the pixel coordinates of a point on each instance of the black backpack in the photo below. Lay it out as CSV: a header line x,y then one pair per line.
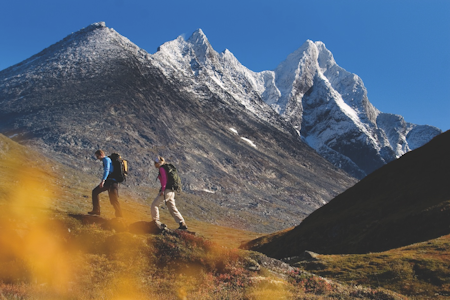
x,y
173,179
120,166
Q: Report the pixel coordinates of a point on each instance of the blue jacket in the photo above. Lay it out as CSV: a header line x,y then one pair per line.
x,y
107,167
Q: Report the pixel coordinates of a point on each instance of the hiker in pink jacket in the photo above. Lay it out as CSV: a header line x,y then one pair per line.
x,y
166,194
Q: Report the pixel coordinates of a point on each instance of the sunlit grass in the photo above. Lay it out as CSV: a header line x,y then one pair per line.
x,y
104,264
421,270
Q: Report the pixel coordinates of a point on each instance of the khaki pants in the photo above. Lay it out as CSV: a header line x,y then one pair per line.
x,y
169,196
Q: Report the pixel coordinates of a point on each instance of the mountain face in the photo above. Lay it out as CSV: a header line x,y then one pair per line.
x,y
195,64
404,202
199,109
339,121
326,105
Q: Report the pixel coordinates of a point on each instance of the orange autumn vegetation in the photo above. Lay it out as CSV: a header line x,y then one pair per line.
x,y
48,252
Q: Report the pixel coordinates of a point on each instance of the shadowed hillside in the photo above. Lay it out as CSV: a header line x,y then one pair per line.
x,y
404,202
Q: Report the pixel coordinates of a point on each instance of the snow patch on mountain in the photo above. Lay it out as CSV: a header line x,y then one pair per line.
x,y
234,130
250,142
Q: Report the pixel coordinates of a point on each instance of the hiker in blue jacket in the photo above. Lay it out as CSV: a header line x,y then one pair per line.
x,y
107,184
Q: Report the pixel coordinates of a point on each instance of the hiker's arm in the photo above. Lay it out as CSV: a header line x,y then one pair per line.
x,y
163,179
105,171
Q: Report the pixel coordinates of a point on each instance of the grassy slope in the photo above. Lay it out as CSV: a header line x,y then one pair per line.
x,y
60,258
63,189
404,202
46,252
420,270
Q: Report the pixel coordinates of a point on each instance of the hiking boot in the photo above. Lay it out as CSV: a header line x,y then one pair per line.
x,y
94,213
182,226
160,225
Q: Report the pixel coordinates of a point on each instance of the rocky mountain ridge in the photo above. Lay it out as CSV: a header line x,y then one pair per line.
x,y
327,106
96,89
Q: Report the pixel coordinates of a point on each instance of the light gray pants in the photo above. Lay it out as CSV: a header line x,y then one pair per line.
x,y
169,196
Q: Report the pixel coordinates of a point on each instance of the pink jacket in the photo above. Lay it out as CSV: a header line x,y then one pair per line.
x,y
162,178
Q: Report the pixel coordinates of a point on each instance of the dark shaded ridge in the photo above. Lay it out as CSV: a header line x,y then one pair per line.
x,y
405,202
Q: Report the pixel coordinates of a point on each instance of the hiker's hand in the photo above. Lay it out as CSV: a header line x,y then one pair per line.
x,y
101,184
161,193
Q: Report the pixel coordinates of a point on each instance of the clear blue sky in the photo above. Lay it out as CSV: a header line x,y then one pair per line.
x,y
400,48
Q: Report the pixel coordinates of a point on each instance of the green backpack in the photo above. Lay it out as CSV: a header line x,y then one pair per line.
x,y
173,179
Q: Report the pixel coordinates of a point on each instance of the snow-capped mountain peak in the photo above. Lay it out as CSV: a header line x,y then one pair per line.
x,y
308,93
331,108
327,105
201,46
198,37
325,58
195,62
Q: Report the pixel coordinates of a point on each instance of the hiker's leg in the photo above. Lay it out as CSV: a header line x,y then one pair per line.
x,y
154,207
96,198
113,193
170,202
